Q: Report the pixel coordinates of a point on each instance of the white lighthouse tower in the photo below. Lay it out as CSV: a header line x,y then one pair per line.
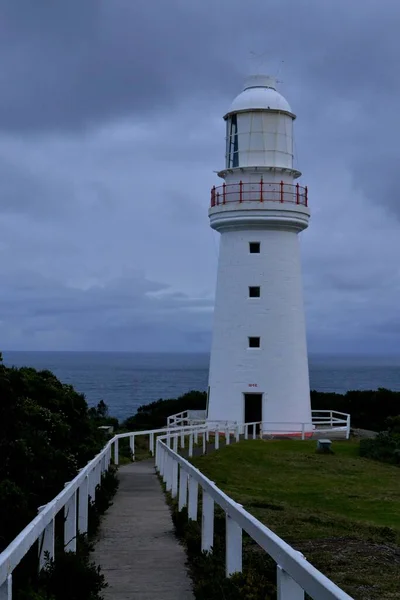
x,y
259,365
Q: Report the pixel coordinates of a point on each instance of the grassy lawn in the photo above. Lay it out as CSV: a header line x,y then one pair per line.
x,y
340,510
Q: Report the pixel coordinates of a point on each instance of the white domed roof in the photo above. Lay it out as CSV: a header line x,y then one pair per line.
x,y
259,92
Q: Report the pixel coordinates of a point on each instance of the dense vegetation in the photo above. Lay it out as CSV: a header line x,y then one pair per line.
x,y
340,510
47,432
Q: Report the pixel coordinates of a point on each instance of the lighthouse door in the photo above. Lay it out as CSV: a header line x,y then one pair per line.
x,y
253,408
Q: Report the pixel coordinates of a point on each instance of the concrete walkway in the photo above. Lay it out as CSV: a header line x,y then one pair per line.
x,y
137,549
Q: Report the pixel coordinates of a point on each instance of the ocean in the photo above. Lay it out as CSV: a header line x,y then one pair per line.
x,y
127,380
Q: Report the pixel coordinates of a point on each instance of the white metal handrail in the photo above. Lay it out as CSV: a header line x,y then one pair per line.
x,y
295,575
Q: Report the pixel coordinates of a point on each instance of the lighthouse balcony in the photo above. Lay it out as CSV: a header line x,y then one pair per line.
x,y
261,191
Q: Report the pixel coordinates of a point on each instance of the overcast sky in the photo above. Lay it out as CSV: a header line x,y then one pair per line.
x,y
110,132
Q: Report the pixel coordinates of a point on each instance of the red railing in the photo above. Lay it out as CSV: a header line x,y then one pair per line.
x,y
259,192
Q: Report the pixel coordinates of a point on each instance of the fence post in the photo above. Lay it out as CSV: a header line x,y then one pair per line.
x,y
46,545
193,499
132,445
151,444
6,589
216,439
348,427
254,431
204,442
190,444
227,436
246,431
175,444
233,547
116,452
287,588
207,523
70,524
302,431
331,420
183,481
169,473
175,466
83,506
237,433
182,438
196,436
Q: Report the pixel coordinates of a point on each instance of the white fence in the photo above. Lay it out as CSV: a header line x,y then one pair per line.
x,y
74,501
322,421
295,575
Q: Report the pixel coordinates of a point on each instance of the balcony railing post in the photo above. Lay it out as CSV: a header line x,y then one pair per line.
x,y
297,193
281,186
306,195
217,202
212,204
240,191
261,190
224,193
287,588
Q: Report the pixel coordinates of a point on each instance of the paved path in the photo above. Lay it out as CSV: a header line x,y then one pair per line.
x,y
137,549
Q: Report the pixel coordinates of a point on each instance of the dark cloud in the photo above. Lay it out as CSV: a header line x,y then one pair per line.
x,y
111,128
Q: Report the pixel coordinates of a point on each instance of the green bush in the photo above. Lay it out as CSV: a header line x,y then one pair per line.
x,y
385,447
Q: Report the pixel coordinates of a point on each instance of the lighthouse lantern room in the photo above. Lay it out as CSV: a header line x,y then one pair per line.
x,y
258,363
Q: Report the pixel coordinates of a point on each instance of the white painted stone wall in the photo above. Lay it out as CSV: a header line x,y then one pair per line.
x,y
279,368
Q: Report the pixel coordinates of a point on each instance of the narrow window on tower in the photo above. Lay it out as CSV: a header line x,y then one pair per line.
x,y
254,291
254,342
233,143
254,247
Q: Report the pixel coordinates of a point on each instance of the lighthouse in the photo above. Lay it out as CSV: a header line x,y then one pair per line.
x,y
258,363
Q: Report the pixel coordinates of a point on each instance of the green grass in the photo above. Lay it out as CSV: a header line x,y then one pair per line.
x,y
342,511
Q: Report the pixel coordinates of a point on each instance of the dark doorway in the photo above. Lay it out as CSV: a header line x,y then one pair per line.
x,y
253,408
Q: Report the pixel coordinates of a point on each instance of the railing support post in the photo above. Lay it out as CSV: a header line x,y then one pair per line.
x,y
182,438
116,452
132,445
190,445
46,546
237,433
261,190
303,431
183,481
151,444
240,191
227,436
246,431
281,190
83,499
224,193
348,427
287,588
196,436
6,589
216,439
175,445
174,490
306,191
193,499
254,431
207,523
204,442
233,547
70,524
297,193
